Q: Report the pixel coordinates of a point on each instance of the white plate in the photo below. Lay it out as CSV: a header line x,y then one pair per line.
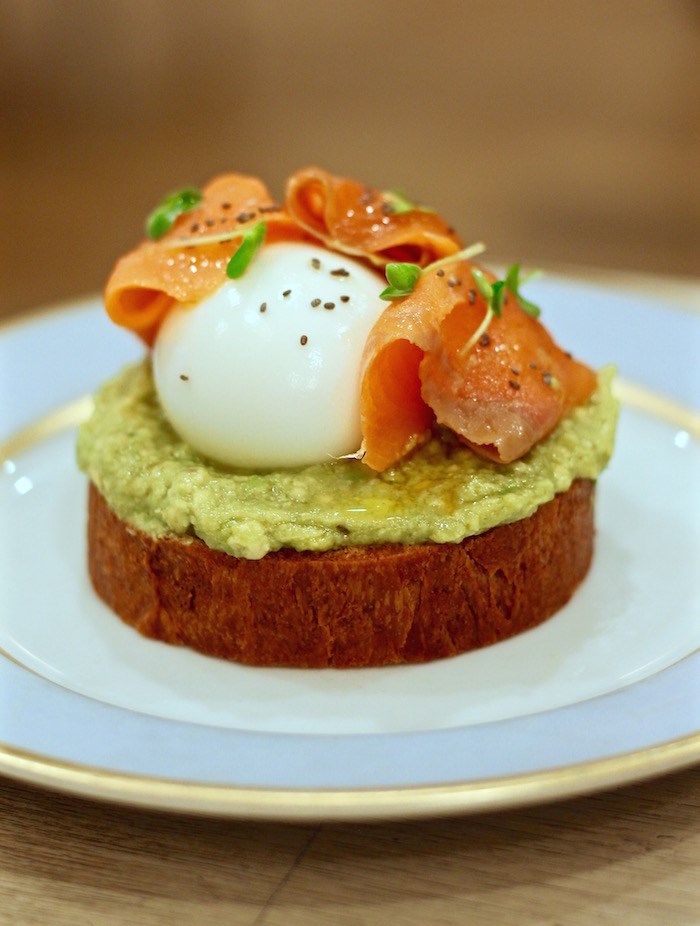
x,y
604,692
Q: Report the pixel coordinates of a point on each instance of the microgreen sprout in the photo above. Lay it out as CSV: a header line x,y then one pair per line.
x,y
494,295
161,220
176,244
402,278
399,202
513,282
246,250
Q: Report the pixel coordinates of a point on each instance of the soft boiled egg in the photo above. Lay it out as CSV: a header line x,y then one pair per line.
x,y
265,373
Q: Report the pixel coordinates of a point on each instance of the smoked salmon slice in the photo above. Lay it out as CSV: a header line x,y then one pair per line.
x,y
500,397
185,266
358,220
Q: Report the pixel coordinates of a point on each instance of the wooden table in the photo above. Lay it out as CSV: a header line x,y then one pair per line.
x,y
630,856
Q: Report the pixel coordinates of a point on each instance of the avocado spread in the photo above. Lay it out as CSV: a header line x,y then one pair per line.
x,y
442,492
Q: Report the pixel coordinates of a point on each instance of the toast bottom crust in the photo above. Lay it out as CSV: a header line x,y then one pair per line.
x,y
358,606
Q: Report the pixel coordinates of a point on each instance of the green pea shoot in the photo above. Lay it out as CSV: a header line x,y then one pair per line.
x,y
246,251
161,220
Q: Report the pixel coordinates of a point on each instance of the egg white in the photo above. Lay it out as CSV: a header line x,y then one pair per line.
x,y
256,376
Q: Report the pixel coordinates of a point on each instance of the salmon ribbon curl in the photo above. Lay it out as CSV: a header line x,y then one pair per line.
x,y
500,396
355,219
186,266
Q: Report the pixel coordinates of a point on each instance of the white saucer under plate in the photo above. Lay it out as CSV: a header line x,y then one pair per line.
x,y
605,692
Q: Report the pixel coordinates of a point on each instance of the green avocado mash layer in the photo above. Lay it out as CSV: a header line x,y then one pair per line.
x,y
156,482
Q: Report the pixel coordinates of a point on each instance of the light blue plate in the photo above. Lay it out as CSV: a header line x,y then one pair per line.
x,y
362,745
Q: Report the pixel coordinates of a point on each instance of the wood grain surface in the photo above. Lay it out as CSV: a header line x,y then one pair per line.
x,y
627,857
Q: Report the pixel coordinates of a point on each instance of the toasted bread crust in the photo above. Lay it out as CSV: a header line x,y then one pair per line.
x,y
358,606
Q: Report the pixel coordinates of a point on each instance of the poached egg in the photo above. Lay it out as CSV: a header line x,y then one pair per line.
x,y
265,373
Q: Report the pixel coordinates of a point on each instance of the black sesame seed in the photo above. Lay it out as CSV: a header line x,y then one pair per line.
x,y
533,366
286,293
340,272
471,296
568,354
345,298
263,306
303,340
454,281
315,303
513,384
195,227
515,371
315,263
441,272
329,305
245,216
484,340
226,205
209,223
184,377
